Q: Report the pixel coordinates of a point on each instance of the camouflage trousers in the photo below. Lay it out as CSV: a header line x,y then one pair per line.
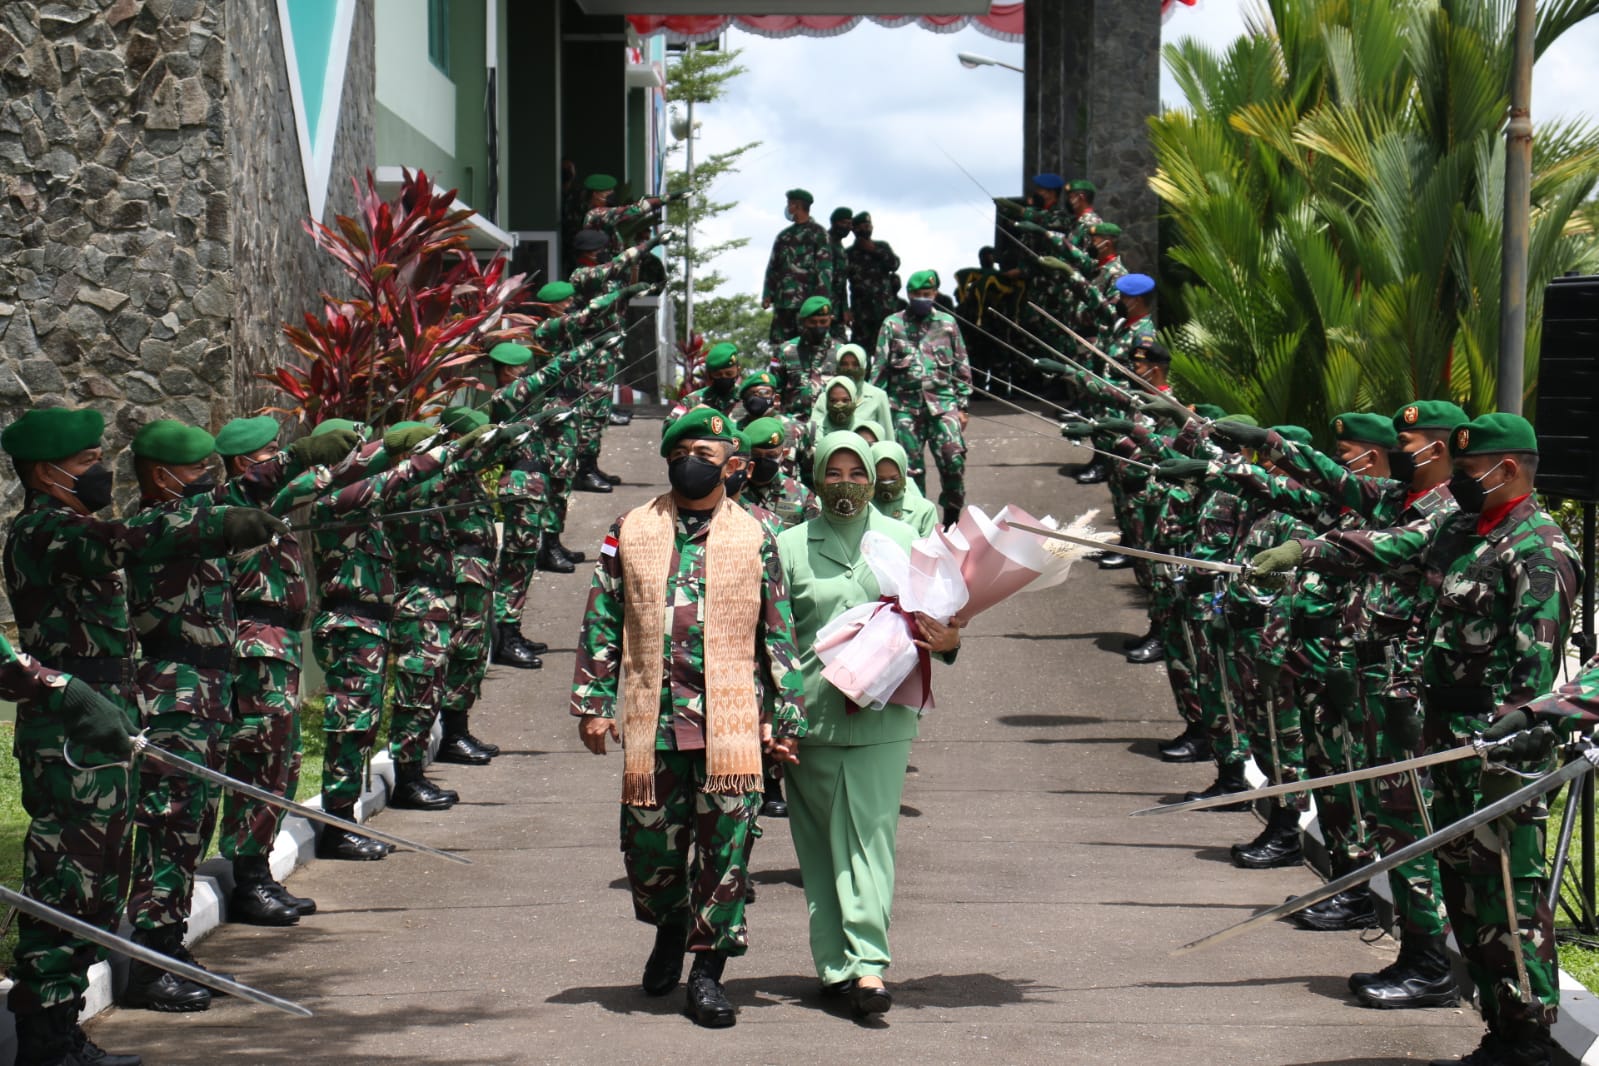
x,y
1398,819
469,648
1270,715
1168,612
918,429
1214,643
75,857
421,656
264,749
1333,745
355,662
704,892
593,408
173,818
1474,895
524,524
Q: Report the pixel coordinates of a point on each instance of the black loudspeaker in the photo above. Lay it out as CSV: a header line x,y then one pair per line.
x,y
1568,390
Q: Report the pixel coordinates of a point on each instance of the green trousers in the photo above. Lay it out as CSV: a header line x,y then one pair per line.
x,y
843,810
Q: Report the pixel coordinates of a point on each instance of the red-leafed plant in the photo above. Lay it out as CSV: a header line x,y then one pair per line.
x,y
690,366
424,310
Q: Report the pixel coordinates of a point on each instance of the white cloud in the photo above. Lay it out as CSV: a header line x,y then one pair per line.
x,y
864,119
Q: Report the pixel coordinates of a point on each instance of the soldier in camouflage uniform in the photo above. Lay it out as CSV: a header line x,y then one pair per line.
x,y
608,218
802,358
524,484
567,326
1502,576
768,487
840,224
873,283
722,375
801,266
63,576
921,364
699,780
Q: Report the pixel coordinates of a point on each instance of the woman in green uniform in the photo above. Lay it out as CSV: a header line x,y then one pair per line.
x,y
897,495
844,792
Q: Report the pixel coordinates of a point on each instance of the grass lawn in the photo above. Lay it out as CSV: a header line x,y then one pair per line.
x,y
1579,954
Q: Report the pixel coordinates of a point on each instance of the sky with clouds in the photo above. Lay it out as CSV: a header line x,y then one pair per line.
x,y
864,120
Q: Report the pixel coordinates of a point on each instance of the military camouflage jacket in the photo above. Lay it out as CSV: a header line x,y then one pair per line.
x,y
609,219
682,720
801,266
704,397
873,281
590,283
922,361
783,496
840,288
801,364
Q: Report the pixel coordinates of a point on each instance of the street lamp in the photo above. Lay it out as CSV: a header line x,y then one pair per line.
x,y
971,61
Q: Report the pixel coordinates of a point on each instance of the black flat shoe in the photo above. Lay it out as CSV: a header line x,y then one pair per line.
x,y
866,1001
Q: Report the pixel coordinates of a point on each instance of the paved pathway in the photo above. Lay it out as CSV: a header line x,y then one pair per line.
x,y
1033,921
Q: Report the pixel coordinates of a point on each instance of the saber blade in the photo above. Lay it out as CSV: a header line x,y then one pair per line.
x,y
1465,751
95,935
205,773
1137,553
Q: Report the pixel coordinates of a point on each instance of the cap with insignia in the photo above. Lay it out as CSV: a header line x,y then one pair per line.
x,y
1212,411
462,419
1081,185
922,279
334,425
46,434
1150,350
1296,434
1492,434
816,305
590,240
757,379
801,195
701,423
721,356
508,354
765,433
555,292
1367,428
1429,414
1105,229
245,435
599,183
1048,180
841,214
167,440
1135,284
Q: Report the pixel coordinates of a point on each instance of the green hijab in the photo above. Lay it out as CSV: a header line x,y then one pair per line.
x,y
891,450
854,400
845,531
876,427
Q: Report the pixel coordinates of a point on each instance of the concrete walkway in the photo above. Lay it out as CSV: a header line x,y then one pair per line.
x,y
1033,919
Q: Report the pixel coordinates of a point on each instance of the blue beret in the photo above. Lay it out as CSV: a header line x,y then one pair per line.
x,y
1049,181
1135,284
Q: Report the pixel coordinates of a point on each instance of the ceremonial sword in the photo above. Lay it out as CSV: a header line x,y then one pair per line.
x,y
1582,763
1137,553
1051,421
1031,361
95,935
390,516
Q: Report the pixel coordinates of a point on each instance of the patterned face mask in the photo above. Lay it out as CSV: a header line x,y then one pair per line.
x,y
890,490
838,414
845,499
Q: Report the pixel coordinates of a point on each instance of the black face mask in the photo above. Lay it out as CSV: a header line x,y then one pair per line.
x,y
200,486
693,478
813,333
1468,492
766,469
723,386
757,405
735,482
1401,465
92,487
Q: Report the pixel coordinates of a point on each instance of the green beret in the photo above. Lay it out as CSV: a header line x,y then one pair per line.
x,y
1429,414
1210,411
1296,434
1241,419
245,435
508,354
462,419
45,434
841,214
721,356
167,440
922,279
702,423
760,377
864,216
555,292
1492,434
765,432
1081,185
599,183
816,305
1106,229
1365,427
333,425
801,195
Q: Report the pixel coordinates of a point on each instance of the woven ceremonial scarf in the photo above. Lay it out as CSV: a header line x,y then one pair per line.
x,y
731,609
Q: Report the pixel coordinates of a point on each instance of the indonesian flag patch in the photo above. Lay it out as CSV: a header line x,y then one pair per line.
x,y
609,547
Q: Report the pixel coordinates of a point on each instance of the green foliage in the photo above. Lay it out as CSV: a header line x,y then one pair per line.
x,y
1333,192
701,76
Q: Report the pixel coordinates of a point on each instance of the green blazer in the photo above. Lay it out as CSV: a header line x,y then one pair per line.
x,y
825,579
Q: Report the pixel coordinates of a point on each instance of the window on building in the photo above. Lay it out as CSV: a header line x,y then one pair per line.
x,y
439,34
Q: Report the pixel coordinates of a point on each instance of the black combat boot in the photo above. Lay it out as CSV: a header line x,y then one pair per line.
x,y
664,968
333,842
1193,745
153,988
550,558
414,792
44,1037
774,805
1349,909
1229,779
510,650
1489,1052
1420,977
482,745
707,1003
573,557
457,746
252,901
1114,561
1095,473
1132,642
612,478
302,905
620,416
1150,651
1525,1044
87,1050
588,478
1277,844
